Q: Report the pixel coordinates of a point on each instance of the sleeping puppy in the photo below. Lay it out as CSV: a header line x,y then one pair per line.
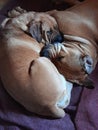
x,y
77,56
70,59
27,76
43,29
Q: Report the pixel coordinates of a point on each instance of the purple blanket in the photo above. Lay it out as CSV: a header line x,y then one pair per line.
x,y
81,114
87,112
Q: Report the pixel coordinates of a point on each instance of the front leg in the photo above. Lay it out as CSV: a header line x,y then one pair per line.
x,y
52,51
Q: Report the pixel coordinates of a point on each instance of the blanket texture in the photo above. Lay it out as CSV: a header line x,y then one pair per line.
x,y
81,114
87,112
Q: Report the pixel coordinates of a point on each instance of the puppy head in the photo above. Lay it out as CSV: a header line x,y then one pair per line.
x,y
44,29
73,65
75,62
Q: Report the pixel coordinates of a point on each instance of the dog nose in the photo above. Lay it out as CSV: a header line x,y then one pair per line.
x,y
58,38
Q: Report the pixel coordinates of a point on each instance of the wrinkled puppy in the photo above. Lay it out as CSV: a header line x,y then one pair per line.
x,y
31,80
77,56
41,26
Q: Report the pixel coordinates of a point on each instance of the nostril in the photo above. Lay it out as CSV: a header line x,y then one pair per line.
x,y
88,60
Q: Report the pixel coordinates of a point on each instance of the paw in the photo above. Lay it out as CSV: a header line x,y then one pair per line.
x,y
16,12
52,50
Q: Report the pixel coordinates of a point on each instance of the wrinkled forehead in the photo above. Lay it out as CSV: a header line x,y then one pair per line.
x,y
49,20
73,48
52,22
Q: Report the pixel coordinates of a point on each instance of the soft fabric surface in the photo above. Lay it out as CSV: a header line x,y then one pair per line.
x,y
82,113
87,113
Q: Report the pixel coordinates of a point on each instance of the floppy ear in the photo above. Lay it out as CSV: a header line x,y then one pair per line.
x,y
87,63
36,31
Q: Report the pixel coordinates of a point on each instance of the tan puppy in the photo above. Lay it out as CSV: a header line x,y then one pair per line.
x,y
74,58
32,80
43,29
79,55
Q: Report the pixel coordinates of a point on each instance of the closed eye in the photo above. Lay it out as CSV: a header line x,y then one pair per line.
x,y
49,32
